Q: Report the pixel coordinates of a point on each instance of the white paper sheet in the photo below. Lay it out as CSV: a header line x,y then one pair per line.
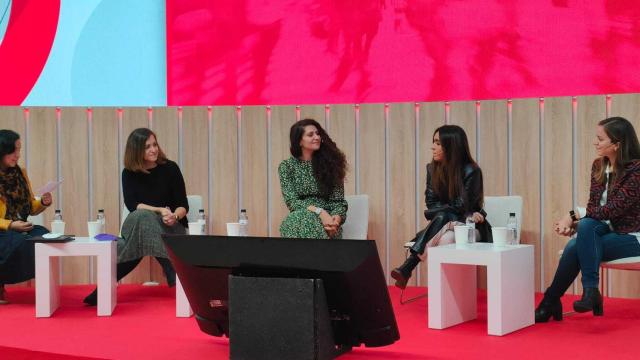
x,y
49,187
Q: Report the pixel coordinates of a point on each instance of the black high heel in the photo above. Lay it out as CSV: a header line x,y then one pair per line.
x,y
549,307
591,301
402,273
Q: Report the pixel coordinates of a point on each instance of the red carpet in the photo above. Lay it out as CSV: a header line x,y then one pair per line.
x,y
144,326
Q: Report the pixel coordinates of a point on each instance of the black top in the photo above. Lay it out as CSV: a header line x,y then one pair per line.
x,y
163,186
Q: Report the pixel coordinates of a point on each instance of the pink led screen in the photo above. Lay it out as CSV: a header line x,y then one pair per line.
x,y
355,51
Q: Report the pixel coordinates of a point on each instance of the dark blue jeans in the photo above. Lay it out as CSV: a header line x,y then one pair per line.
x,y
594,243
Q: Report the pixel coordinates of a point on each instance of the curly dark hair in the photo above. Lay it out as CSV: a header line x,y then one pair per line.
x,y
8,140
329,163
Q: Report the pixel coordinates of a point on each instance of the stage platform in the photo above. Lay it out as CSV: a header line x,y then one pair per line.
x,y
144,326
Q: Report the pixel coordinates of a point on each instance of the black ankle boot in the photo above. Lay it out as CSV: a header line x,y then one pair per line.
x,y
402,273
591,301
91,299
548,307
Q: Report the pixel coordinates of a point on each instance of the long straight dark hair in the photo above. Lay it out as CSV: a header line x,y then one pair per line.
x,y
448,174
329,163
621,132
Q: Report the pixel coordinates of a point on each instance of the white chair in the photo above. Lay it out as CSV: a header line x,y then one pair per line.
x,y
357,223
497,209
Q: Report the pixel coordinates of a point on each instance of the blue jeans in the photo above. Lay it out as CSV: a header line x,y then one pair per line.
x,y
594,243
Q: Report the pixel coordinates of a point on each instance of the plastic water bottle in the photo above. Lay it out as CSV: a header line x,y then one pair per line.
x,y
472,229
202,220
58,215
101,219
512,228
244,222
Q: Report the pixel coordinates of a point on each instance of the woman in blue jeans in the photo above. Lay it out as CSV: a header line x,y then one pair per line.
x,y
609,230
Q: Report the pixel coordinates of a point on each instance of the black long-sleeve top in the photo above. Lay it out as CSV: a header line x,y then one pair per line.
x,y
469,201
163,186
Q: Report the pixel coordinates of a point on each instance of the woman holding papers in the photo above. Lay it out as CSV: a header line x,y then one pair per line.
x,y
154,192
453,193
312,184
610,228
17,258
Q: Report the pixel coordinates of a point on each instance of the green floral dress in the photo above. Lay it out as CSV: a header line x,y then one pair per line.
x,y
300,189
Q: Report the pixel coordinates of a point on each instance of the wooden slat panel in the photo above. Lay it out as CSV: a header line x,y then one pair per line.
x,y
195,167
225,169
254,168
493,136
372,173
282,117
315,112
526,160
75,169
402,209
12,118
342,130
591,109
431,118
558,186
133,118
165,125
463,114
626,283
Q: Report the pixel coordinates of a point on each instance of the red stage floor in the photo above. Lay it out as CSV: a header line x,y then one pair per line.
x,y
144,326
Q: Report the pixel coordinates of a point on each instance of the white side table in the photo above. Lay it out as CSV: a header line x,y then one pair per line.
x,y
453,286
183,309
48,275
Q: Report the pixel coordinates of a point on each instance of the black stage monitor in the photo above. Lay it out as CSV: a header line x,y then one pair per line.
x,y
356,292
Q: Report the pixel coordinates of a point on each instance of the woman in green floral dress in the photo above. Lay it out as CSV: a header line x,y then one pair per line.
x,y
312,183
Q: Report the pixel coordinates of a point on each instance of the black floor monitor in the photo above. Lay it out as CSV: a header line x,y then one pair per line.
x,y
356,292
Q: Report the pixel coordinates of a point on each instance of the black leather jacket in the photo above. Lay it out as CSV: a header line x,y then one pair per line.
x,y
469,201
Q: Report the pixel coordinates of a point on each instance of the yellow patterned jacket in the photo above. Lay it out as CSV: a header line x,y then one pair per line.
x,y
36,205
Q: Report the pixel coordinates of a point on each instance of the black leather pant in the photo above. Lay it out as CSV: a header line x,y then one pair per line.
x,y
423,237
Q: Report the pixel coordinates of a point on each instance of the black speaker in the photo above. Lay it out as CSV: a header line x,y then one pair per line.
x,y
279,318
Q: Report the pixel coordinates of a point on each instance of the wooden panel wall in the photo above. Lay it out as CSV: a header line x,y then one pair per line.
x,y
540,149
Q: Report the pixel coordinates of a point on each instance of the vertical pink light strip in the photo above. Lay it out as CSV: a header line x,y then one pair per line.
x,y
210,183
269,170
239,156
25,115
416,167
447,113
478,142
90,203
509,147
356,109
150,117
58,155
180,136
608,106
327,118
387,191
297,112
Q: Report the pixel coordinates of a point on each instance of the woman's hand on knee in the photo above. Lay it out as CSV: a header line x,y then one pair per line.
x,y
565,226
21,226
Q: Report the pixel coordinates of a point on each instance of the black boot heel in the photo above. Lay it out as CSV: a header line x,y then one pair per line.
x,y
549,307
598,310
591,301
402,273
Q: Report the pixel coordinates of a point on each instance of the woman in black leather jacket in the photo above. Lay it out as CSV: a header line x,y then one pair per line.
x,y
454,192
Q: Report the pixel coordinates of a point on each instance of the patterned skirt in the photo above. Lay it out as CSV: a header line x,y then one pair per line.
x,y
141,236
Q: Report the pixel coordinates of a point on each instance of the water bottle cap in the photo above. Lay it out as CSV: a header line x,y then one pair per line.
x,y
512,214
58,211
201,210
100,210
243,210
